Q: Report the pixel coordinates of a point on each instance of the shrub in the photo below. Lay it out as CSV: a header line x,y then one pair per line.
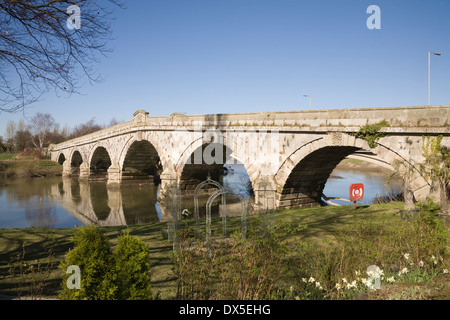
x,y
122,273
132,269
93,256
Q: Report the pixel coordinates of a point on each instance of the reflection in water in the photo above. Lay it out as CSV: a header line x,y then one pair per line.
x,y
26,203
39,212
99,200
96,203
140,204
65,202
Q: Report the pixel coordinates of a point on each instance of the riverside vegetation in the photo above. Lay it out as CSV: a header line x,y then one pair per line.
x,y
26,165
310,253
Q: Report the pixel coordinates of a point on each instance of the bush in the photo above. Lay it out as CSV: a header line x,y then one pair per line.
x,y
132,269
96,262
105,274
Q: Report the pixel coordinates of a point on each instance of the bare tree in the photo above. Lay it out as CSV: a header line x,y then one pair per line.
x,y
50,44
10,132
85,128
41,125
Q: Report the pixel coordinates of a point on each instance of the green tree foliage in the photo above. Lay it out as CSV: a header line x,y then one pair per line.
x,y
436,167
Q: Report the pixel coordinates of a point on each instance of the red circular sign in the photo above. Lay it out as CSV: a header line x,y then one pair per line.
x,y
356,192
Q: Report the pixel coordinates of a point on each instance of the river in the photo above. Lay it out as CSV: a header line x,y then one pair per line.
x,y
65,203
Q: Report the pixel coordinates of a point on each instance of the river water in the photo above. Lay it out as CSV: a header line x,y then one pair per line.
x,y
65,203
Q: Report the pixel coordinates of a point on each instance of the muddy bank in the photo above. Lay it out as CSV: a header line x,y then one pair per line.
x,y
361,166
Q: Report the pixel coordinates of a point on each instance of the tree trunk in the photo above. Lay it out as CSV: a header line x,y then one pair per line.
x,y
443,198
408,195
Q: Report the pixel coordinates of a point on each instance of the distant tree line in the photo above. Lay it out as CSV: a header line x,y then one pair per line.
x,y
36,134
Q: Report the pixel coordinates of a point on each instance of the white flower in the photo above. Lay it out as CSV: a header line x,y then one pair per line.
x,y
406,256
421,263
433,258
357,273
304,280
351,285
344,280
445,271
312,279
365,282
403,271
390,280
338,286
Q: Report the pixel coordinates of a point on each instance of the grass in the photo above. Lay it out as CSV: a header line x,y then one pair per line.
x,y
12,165
7,156
323,225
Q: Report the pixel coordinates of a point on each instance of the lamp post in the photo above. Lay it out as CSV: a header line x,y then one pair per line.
x,y
307,95
429,74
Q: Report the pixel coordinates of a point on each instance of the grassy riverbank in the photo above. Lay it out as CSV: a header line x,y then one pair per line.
x,y
372,230
15,166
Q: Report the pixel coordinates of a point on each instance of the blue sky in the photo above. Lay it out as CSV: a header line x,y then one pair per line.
x,y
227,56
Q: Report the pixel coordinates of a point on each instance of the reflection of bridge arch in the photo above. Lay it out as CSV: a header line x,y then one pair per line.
x,y
82,201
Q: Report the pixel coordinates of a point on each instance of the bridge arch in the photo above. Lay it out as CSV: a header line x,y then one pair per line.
x,y
61,158
76,160
231,145
204,145
140,159
302,176
99,161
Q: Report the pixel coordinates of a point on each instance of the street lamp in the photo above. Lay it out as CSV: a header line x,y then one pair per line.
x,y
429,74
307,95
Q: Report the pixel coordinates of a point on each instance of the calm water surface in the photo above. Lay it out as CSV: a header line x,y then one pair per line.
x,y
64,203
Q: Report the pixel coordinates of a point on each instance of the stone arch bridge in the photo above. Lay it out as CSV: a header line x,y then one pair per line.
x,y
291,153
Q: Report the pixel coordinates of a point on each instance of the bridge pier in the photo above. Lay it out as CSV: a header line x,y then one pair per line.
x,y
85,171
264,191
67,169
114,175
